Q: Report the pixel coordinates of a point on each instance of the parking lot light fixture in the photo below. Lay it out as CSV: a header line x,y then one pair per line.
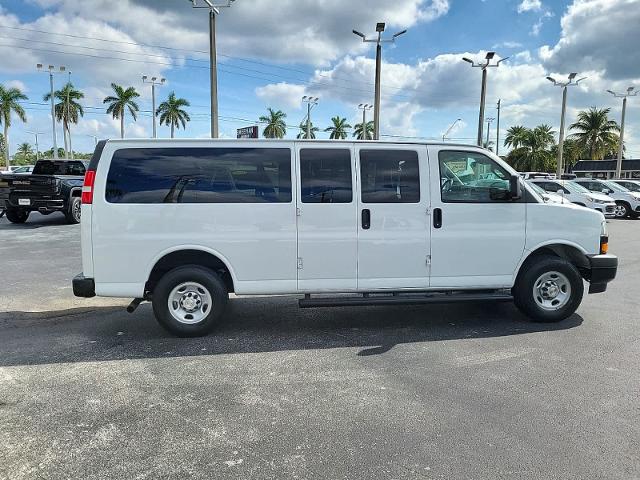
x,y
51,70
378,40
154,81
568,83
364,107
484,66
311,102
631,92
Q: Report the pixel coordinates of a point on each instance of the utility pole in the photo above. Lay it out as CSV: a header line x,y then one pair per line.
x,y
37,145
483,91
311,102
498,128
489,120
153,82
629,93
51,70
69,117
450,128
564,85
378,40
364,107
213,61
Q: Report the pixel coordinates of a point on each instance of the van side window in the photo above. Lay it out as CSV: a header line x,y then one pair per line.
x,y
470,177
325,175
200,175
389,176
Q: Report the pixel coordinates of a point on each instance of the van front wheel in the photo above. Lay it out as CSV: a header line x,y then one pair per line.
x,y
548,289
189,301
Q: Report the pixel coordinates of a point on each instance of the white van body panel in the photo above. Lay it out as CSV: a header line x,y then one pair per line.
x,y
296,247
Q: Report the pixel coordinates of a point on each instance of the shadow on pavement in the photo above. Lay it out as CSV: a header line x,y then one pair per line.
x,y
36,220
251,325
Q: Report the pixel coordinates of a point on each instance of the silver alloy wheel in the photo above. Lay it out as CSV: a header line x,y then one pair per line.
x,y
189,303
552,291
77,210
620,211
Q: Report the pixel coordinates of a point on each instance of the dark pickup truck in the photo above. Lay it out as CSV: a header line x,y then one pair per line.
x,y
54,186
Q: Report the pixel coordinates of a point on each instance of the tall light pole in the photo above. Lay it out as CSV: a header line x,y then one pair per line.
x,y
69,116
378,40
629,93
450,128
364,107
564,85
311,102
488,120
95,138
483,91
51,70
153,81
37,145
498,127
213,67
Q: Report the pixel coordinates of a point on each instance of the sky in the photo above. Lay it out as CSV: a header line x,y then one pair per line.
x,y
271,53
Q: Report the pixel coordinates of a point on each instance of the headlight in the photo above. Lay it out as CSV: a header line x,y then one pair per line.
x,y
595,200
603,229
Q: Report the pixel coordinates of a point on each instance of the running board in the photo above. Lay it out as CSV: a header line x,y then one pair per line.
x,y
401,299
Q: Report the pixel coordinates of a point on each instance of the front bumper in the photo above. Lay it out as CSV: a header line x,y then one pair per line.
x,y
83,286
602,269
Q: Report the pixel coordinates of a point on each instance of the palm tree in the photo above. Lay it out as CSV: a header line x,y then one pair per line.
x,y
172,113
68,110
338,129
120,102
24,152
276,127
516,136
303,131
368,131
2,146
534,148
9,102
595,132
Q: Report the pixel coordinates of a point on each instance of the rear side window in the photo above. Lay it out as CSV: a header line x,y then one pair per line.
x,y
389,176
53,167
200,175
325,175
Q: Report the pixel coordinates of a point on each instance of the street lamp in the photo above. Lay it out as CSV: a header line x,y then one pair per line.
x,y
153,81
489,121
450,128
311,102
364,107
570,82
51,70
213,67
95,138
37,145
378,40
484,65
629,93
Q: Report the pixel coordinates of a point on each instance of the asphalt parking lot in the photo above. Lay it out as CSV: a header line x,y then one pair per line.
x,y
466,392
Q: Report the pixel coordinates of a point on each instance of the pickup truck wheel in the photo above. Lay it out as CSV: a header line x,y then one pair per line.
x,y
188,301
73,213
548,289
15,215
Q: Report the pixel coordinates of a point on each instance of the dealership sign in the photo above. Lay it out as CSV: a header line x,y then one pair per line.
x,y
248,132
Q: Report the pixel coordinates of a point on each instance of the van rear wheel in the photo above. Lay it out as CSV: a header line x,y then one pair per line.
x,y
548,289
189,301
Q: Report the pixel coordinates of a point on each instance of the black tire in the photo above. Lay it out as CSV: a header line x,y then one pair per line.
x,y
213,286
623,213
531,304
15,215
73,211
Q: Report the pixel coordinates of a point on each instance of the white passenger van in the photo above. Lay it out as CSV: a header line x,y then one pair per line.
x,y
182,223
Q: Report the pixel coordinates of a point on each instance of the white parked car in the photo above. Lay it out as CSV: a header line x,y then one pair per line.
x,y
631,185
628,202
579,195
548,197
182,223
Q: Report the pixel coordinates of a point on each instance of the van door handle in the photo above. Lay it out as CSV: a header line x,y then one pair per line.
x,y
366,219
437,217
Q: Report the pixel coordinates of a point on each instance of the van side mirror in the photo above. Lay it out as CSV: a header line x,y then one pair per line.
x,y
515,187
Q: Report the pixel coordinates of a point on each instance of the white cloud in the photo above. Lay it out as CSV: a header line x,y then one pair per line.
x,y
16,84
507,44
529,6
281,95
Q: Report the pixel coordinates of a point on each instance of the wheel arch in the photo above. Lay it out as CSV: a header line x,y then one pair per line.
x,y
190,255
572,252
